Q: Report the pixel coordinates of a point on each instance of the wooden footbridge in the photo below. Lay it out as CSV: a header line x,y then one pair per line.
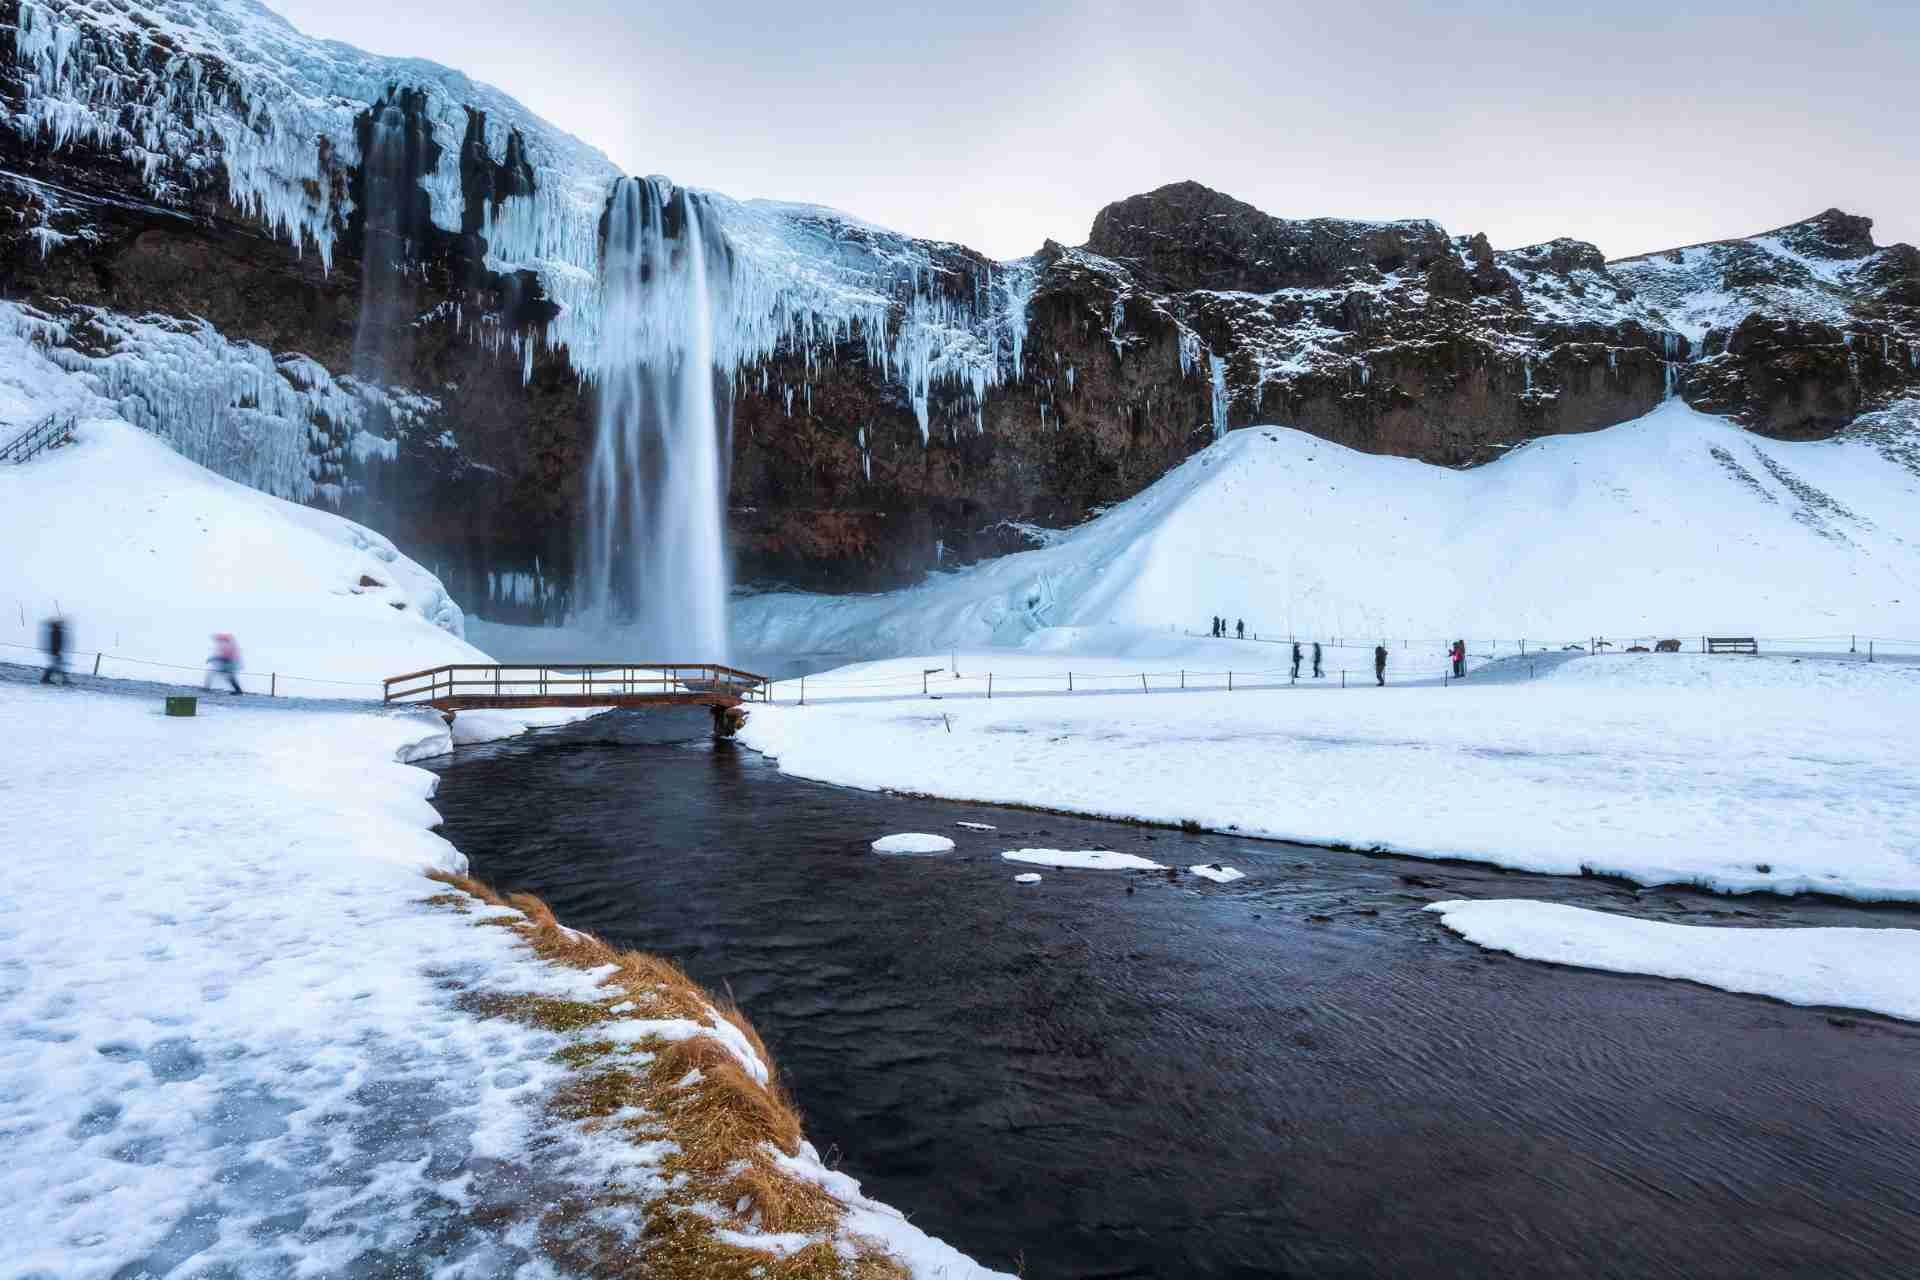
x,y
470,687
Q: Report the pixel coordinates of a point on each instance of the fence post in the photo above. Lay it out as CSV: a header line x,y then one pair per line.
x,y
1343,679
1229,682
1069,682
273,686
923,684
96,664
803,691
1853,644
1869,651
1143,682
1183,677
989,686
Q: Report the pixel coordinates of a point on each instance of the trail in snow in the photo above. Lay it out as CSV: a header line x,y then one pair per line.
x,y
258,1060
1797,779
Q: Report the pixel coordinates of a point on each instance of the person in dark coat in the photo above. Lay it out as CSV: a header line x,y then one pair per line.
x,y
1380,664
56,652
1317,672
1296,660
1240,629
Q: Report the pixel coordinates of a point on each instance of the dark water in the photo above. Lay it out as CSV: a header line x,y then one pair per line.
x,y
1200,1080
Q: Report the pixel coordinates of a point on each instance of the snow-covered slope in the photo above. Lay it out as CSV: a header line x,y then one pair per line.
x,y
148,555
1674,524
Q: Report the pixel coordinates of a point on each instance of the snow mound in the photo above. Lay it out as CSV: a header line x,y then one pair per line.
x,y
148,555
1082,859
1027,877
913,842
1217,873
1707,529
1625,671
1870,969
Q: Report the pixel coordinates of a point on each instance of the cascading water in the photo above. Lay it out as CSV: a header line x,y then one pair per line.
x,y
656,567
385,288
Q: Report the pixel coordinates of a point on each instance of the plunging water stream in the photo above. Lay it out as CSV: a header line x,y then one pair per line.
x,y
656,566
384,303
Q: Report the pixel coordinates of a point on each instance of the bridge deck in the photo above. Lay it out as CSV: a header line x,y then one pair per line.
x,y
473,686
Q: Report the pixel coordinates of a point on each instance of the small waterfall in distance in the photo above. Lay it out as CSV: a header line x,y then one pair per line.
x,y
386,301
655,576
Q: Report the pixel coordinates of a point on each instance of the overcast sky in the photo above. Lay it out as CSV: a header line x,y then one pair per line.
x,y
1636,124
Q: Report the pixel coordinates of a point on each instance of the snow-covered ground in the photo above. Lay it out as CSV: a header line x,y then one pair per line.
x,y
1676,524
252,1060
148,555
1734,772
1870,969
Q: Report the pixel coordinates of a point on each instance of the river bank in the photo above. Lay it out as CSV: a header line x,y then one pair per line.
x,y
1739,774
244,1030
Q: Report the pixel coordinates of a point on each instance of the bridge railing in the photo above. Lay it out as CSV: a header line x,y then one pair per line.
x,y
519,681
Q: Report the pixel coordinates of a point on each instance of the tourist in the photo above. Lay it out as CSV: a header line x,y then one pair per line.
x,y
1459,658
1296,659
1317,672
225,661
1240,629
1380,664
56,646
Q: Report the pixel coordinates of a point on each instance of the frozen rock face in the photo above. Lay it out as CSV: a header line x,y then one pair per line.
x,y
375,285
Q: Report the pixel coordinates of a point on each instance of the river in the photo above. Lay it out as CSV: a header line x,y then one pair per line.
x,y
1113,1075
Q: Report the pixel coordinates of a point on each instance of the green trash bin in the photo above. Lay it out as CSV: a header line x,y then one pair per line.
x,y
182,706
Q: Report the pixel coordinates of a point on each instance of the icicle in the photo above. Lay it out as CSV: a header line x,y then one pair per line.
x,y
1218,371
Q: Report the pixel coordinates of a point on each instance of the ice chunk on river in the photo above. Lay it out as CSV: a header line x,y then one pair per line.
x,y
913,842
1086,859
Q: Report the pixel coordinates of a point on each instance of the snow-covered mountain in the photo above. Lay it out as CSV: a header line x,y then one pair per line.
x,y
190,187
1675,524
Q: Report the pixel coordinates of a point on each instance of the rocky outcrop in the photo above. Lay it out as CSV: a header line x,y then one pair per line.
x,y
896,405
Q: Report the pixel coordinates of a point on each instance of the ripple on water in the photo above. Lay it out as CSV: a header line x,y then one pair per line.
x,y
1218,1080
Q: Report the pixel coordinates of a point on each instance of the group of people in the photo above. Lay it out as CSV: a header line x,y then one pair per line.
x,y
1220,628
224,662
1458,653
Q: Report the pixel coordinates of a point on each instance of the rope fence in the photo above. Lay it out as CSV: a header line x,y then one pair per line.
x,y
938,682
98,662
1066,680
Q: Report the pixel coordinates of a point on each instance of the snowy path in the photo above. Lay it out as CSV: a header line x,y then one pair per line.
x,y
1735,773
231,1027
1869,969
228,1032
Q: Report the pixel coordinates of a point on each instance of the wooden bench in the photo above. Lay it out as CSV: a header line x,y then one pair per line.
x,y
1732,644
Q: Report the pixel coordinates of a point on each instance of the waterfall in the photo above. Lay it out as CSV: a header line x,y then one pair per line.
x,y
386,301
656,565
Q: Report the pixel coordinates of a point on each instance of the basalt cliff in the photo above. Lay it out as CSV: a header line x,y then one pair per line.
x,y
373,284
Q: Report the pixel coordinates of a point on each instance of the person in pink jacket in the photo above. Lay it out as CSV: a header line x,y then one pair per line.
x,y
224,662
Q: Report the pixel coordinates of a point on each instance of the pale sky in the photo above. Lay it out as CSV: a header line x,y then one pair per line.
x,y
1638,124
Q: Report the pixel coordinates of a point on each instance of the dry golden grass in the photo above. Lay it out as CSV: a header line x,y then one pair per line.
x,y
722,1125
